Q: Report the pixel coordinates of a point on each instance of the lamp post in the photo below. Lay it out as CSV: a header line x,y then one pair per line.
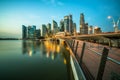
x,y
115,24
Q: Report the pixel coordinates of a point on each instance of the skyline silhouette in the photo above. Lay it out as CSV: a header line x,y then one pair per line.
x,y
15,13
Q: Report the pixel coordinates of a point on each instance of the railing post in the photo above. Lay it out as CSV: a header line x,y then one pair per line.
x,y
110,44
73,46
71,42
76,47
82,52
102,64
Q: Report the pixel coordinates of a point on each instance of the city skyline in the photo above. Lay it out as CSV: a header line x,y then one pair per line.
x,y
15,13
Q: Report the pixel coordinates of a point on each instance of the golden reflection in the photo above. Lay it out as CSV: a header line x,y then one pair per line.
x,y
62,42
65,62
52,48
58,49
47,55
52,56
67,48
30,53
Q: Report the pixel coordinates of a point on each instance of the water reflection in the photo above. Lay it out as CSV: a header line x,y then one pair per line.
x,y
29,47
50,50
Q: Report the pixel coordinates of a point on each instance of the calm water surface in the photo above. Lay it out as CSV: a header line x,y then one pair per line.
x,y
34,60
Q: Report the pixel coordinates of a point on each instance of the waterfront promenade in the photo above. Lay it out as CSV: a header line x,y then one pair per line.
x,y
91,59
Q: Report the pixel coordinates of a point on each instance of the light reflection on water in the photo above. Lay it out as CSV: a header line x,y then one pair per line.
x,y
34,60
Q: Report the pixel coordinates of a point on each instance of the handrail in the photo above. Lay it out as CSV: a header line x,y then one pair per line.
x,y
108,58
75,65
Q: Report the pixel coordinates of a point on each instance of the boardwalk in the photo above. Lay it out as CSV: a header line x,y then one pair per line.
x,y
92,60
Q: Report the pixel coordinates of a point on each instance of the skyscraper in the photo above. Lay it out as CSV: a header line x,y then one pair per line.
x,y
71,29
74,28
44,30
49,29
54,27
97,30
68,24
38,33
62,25
24,32
31,32
83,25
90,30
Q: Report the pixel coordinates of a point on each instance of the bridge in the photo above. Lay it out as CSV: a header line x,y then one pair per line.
x,y
97,61
111,39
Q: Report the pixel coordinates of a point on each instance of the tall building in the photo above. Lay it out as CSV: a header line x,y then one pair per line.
x,y
74,28
83,25
62,25
24,32
97,30
71,29
44,30
90,30
49,27
38,33
54,27
68,24
31,32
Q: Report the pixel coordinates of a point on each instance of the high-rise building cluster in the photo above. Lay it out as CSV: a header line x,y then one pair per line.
x,y
30,32
67,26
85,29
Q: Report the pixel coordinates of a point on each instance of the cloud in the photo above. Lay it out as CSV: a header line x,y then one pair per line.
x,y
53,2
60,3
34,16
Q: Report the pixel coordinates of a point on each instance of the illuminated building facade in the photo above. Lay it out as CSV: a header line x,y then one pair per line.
x,y
68,24
83,25
90,30
97,30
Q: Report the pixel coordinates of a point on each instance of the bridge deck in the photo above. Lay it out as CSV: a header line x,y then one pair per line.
x,y
92,60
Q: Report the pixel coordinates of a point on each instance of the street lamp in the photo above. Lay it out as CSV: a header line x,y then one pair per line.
x,y
115,24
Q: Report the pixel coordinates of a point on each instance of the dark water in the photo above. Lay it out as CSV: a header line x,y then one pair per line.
x,y
34,60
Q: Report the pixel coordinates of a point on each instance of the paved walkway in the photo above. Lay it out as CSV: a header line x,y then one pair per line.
x,y
92,60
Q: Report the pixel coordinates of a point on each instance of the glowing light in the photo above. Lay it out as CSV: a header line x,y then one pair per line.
x,y
47,55
96,27
30,53
65,62
67,48
52,56
109,17
58,49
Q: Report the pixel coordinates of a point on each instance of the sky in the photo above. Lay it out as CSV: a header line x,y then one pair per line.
x,y
15,13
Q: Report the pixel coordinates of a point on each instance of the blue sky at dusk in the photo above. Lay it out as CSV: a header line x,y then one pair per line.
x,y
15,13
